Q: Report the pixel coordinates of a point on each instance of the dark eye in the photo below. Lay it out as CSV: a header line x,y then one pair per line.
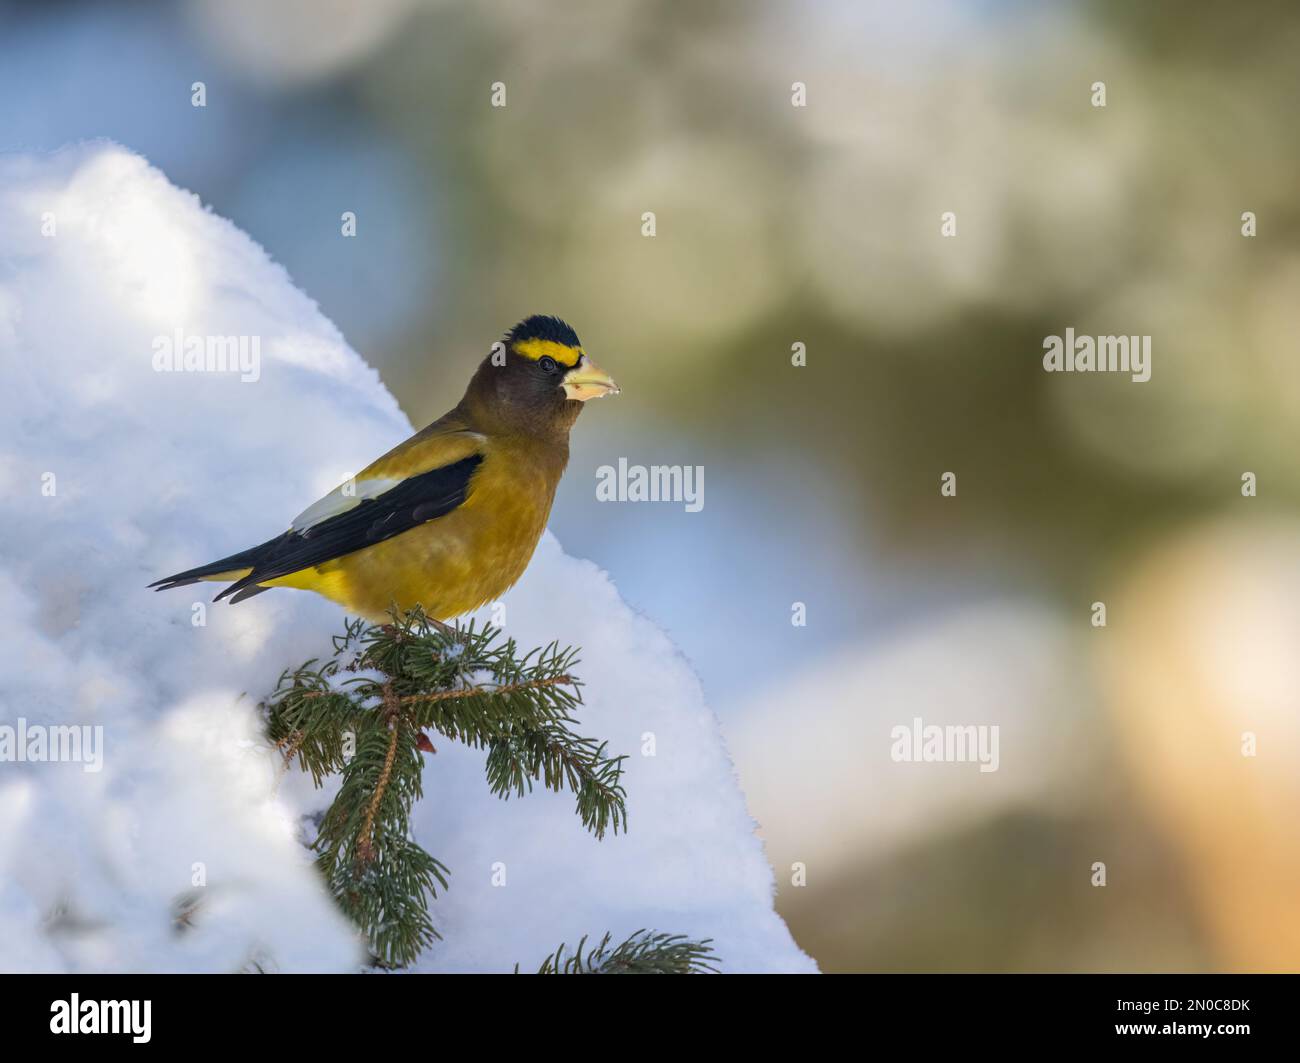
x,y
547,363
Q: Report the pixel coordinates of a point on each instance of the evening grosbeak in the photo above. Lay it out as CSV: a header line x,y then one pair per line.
x,y
449,519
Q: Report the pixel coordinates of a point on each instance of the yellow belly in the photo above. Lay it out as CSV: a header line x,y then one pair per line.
x,y
449,566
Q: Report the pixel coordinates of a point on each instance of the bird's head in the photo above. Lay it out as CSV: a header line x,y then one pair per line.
x,y
538,378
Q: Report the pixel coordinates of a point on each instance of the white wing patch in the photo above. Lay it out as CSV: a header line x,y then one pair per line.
x,y
340,500
350,494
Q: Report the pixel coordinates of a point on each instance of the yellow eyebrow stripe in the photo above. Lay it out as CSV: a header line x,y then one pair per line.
x,y
539,349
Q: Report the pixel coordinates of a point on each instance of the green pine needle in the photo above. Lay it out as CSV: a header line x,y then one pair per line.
x,y
643,952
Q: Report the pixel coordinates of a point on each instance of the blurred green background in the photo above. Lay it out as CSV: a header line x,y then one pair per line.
x,y
820,225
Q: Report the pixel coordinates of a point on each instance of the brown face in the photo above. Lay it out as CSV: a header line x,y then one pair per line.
x,y
545,378
548,366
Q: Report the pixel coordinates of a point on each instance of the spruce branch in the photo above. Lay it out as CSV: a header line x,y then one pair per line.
x,y
365,849
361,714
642,952
509,688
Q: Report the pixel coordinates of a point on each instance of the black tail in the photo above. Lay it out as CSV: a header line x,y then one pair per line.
x,y
250,558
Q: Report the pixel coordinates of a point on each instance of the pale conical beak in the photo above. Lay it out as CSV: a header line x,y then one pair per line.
x,y
587,380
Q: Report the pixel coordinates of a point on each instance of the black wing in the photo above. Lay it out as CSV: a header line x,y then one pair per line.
x,y
412,502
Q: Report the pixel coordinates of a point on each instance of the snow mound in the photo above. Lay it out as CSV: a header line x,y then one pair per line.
x,y
116,471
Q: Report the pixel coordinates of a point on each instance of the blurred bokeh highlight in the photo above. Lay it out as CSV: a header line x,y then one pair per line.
x,y
820,225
